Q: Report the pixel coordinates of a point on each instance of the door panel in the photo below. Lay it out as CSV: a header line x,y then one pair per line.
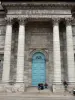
x,y
38,69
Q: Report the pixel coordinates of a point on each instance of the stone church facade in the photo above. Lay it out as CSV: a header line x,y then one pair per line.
x,y
29,30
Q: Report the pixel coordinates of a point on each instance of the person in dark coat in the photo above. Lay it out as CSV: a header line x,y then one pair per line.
x,y
74,91
39,87
46,85
42,86
65,85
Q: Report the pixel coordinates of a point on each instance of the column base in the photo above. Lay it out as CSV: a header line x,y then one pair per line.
x,y
6,88
58,88
71,86
19,87
12,88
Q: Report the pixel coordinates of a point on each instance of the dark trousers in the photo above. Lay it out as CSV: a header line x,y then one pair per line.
x,y
65,87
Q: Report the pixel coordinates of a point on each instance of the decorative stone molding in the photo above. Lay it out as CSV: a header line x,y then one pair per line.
x,y
55,21
39,12
41,5
9,20
69,21
22,21
45,52
36,16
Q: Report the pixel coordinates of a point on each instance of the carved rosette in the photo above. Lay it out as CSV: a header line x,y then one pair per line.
x,y
56,21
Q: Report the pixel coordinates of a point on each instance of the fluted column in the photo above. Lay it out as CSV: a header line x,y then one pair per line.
x,y
7,52
20,54
70,52
56,52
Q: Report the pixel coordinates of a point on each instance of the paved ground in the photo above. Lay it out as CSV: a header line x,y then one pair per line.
x,y
39,98
35,96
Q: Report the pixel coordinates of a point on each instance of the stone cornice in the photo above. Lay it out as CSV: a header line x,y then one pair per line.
x,y
40,5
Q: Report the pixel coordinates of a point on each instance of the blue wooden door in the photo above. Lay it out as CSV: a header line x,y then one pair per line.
x,y
38,69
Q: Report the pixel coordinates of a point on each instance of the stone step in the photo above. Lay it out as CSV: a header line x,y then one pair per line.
x,y
35,90
27,96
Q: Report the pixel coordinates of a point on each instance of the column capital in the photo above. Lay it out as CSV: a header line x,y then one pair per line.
x,y
68,21
55,21
22,21
9,21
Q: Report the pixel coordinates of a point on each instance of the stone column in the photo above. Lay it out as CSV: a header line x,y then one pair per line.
x,y
7,52
56,55
56,52
70,52
20,54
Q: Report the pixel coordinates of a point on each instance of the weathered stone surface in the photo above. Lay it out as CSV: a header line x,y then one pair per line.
x,y
38,37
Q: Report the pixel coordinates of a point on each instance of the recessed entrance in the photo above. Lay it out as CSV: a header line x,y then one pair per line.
x,y
38,69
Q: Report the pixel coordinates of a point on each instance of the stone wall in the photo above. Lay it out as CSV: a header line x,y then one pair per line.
x,y
38,35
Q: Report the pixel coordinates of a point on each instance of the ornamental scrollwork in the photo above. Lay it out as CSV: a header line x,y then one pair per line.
x,y
22,21
55,21
9,20
69,21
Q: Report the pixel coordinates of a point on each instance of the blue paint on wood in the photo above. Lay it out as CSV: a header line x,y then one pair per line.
x,y
38,69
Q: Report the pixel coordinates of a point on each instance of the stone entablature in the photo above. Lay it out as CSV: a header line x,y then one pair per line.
x,y
34,10
38,11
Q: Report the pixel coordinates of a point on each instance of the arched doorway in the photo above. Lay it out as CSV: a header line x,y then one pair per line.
x,y
38,68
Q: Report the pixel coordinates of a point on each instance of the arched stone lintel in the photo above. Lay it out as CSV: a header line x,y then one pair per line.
x,y
32,52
